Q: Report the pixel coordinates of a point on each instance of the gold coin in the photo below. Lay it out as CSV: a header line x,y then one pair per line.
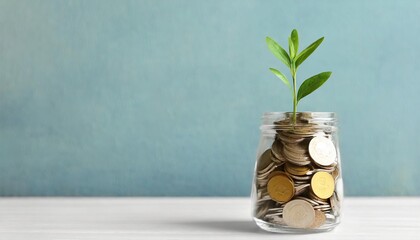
x,y
281,188
319,220
299,214
322,185
336,172
322,151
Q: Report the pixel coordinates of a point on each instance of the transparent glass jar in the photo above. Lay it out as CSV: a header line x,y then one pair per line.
x,y
297,186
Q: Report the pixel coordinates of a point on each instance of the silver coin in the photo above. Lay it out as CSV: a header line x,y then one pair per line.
x,y
313,203
289,138
276,150
322,151
299,214
264,160
295,148
301,189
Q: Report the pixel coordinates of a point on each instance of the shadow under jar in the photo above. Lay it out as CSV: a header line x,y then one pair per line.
x,y
297,185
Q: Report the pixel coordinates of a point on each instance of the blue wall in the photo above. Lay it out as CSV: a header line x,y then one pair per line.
x,y
165,97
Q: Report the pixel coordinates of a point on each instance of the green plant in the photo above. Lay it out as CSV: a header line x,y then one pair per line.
x,y
293,60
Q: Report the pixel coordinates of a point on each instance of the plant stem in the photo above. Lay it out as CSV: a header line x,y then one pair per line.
x,y
293,71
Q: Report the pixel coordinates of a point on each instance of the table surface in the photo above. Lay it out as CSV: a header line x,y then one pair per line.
x,y
190,218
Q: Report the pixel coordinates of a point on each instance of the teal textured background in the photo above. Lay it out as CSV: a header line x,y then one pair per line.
x,y
165,97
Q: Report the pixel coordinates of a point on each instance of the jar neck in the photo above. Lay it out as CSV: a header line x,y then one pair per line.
x,y
272,120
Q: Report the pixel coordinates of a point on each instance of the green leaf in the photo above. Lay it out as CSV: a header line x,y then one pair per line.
x,y
308,51
278,51
291,50
311,84
295,40
281,76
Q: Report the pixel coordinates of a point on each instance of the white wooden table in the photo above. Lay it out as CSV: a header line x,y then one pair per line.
x,y
190,218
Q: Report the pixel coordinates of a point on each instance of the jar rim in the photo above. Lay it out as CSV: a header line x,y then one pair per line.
x,y
324,118
320,114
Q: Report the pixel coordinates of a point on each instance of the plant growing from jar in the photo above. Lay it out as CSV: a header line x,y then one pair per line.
x,y
297,185
293,60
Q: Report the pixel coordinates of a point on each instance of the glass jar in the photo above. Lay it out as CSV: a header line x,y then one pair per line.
x,y
297,186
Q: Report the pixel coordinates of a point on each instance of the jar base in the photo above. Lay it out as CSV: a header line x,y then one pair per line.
x,y
275,228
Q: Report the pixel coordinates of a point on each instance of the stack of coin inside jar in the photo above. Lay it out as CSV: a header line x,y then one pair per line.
x,y
296,178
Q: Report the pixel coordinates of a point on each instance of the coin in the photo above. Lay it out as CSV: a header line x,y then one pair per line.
x,y
323,207
281,188
322,151
296,170
299,179
266,169
329,169
336,172
277,220
290,138
304,131
277,160
312,202
339,189
318,200
301,188
262,210
302,160
296,148
276,150
299,214
322,185
319,219
335,204
264,160
295,157
274,173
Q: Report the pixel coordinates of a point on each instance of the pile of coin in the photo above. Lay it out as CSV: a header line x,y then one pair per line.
x,y
296,178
